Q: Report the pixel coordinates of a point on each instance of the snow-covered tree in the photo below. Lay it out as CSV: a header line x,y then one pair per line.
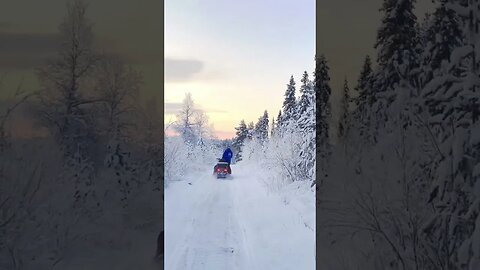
x,y
241,135
452,100
261,128
289,102
322,98
442,35
306,90
273,127
185,124
323,108
251,130
396,42
65,96
344,122
397,50
363,102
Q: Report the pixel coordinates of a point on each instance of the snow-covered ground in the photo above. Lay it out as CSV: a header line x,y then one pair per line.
x,y
237,223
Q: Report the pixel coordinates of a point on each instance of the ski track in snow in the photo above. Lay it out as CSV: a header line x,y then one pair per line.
x,y
233,224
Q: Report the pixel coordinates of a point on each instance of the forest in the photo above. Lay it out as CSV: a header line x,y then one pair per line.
x,y
399,185
89,165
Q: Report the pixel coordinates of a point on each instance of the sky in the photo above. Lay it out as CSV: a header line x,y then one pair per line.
x,y
347,31
235,57
28,35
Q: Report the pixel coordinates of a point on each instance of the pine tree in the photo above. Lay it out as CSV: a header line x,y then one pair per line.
x,y
239,140
344,122
305,90
261,128
322,114
442,35
364,102
306,105
364,85
272,130
322,99
289,102
453,102
279,123
397,59
396,42
251,131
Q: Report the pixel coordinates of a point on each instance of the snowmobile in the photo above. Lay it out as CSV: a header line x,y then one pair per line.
x,y
222,169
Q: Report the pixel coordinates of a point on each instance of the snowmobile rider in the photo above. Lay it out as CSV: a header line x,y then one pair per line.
x,y
227,157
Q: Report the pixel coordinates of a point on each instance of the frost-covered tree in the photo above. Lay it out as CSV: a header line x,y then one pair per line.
x,y
241,135
452,100
397,57
344,122
396,42
289,102
185,124
306,105
322,100
251,130
65,97
279,122
273,126
261,128
306,90
442,35
363,102
117,86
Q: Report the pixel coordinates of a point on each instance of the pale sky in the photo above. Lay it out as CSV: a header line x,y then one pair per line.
x,y
236,57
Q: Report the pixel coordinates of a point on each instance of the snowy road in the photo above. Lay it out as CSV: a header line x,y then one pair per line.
x,y
235,224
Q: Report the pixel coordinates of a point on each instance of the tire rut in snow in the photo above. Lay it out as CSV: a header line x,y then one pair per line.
x,y
212,241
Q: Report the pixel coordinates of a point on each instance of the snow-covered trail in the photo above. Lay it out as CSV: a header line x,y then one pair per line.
x,y
234,224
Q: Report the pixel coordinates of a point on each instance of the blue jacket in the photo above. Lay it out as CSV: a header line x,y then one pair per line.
x,y
227,155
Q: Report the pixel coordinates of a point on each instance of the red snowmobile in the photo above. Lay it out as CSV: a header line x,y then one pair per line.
x,y
222,169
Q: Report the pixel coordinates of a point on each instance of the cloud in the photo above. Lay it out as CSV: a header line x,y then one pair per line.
x,y
26,50
177,70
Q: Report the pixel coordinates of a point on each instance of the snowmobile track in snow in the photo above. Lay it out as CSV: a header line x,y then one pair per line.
x,y
211,242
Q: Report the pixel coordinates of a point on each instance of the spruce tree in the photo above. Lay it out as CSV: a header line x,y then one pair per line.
x,y
364,101
322,99
306,105
322,115
251,131
396,42
241,135
395,80
272,131
452,99
364,85
344,121
442,36
289,102
304,91
279,122
261,128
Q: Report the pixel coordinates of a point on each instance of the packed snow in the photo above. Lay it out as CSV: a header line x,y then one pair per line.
x,y
236,223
